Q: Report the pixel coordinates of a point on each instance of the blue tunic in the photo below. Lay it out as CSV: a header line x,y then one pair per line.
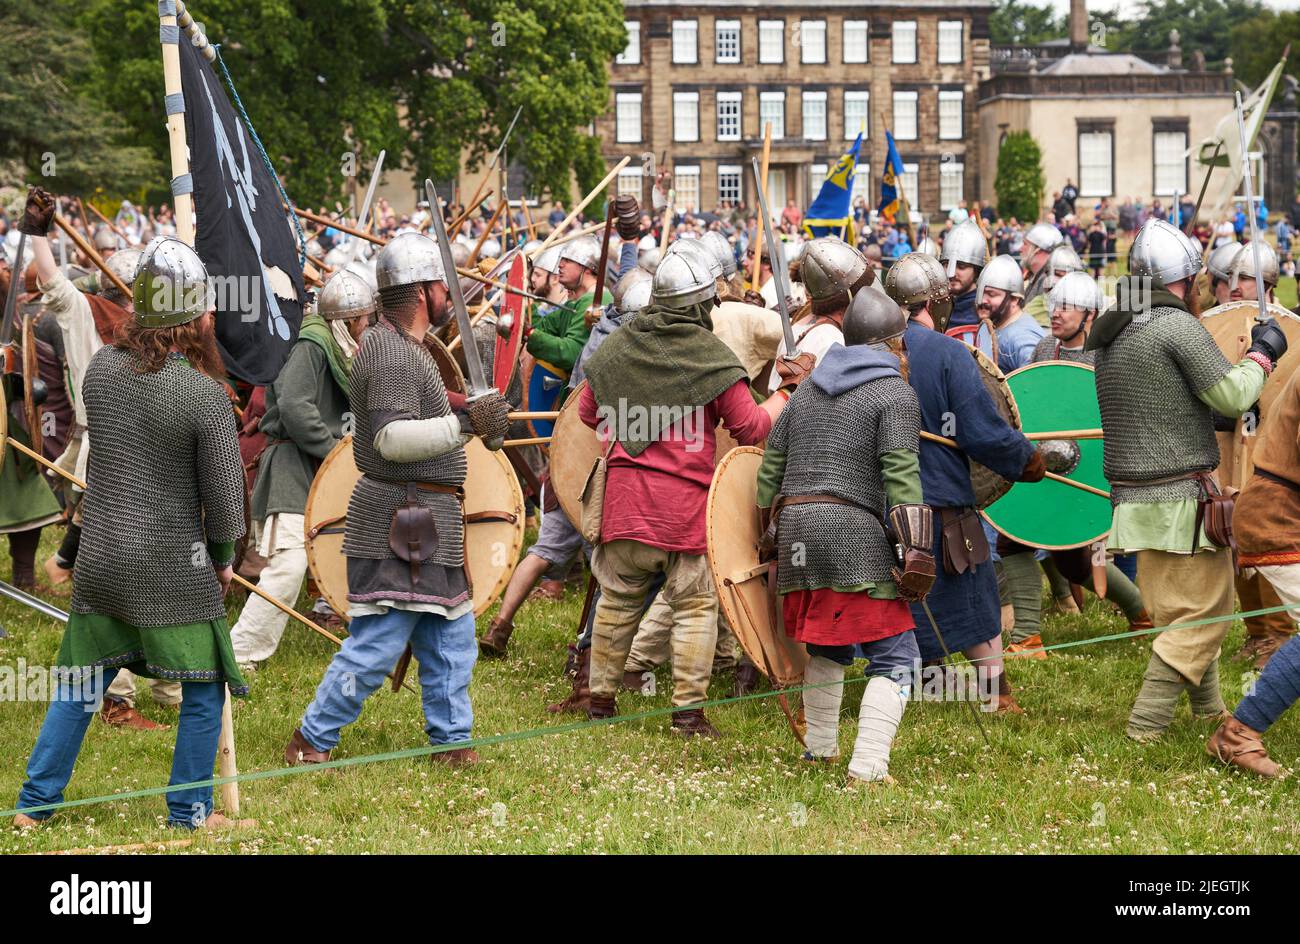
x,y
955,404
1016,342
963,310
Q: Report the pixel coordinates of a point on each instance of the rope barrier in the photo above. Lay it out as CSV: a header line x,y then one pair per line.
x,y
531,733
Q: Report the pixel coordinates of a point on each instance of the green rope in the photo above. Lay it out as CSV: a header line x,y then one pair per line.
x,y
516,736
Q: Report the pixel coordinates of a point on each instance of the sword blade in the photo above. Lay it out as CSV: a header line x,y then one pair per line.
x,y
1263,315
26,599
11,299
478,385
365,206
777,262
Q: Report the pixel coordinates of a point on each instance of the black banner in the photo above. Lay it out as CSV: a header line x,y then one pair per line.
x,y
244,236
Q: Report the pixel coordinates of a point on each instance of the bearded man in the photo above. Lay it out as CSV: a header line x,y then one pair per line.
x,y
964,254
164,506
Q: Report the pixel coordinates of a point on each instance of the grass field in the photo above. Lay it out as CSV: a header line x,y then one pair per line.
x,y
1063,778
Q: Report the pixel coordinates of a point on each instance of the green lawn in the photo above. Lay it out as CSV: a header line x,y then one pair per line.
x,y
1063,778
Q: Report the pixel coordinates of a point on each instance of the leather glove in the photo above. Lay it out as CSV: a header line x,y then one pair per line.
x,y
1268,339
753,298
916,577
1035,469
793,371
38,214
627,217
485,417
592,315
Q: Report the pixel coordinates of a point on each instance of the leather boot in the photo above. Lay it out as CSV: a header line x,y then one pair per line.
x,y
1234,743
634,681
460,757
299,751
746,679
601,706
1007,705
121,715
1030,647
692,723
494,641
1268,645
1141,621
578,700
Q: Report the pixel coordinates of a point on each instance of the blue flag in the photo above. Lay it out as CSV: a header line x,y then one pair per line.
x,y
831,214
891,182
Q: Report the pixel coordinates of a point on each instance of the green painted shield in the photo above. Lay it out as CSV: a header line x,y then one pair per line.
x,y
1056,395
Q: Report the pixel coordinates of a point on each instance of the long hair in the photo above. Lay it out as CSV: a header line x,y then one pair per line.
x,y
150,346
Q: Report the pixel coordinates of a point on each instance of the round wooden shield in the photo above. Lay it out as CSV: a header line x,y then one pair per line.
x,y
740,581
1056,395
452,377
574,448
1230,326
494,529
505,360
543,388
988,485
31,374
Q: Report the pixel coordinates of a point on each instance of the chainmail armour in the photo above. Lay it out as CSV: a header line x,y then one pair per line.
x,y
1147,381
1046,351
392,378
164,478
832,446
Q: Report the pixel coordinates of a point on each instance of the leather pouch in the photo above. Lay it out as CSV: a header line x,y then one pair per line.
x,y
413,534
964,542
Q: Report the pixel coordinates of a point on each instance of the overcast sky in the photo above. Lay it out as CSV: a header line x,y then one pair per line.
x,y
1128,6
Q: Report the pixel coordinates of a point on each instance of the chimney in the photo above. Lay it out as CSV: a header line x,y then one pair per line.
x,y
1079,25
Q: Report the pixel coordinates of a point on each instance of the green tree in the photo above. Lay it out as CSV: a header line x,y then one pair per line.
x,y
424,79
1020,23
1020,181
1257,44
1202,24
54,128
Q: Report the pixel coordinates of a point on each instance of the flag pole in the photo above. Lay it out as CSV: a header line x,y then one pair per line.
x,y
173,18
902,196
758,230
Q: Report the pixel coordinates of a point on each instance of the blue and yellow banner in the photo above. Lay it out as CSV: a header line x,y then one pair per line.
x,y
891,181
831,214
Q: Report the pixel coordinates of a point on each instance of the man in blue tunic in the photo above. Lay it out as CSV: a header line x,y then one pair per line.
x,y
954,404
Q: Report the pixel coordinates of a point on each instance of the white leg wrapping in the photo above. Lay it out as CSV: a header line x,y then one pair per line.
x,y
821,706
882,710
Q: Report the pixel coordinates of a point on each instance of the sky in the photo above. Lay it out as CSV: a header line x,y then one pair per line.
x,y
1128,6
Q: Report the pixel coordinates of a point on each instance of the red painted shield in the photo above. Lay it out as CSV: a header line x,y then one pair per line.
x,y
505,361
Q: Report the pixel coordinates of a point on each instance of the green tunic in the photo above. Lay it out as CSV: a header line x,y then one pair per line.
x,y
26,501
560,335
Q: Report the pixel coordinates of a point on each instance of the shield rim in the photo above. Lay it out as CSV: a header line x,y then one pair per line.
x,y
510,348
453,378
31,372
4,422
725,596
315,552
982,361
570,500
1007,534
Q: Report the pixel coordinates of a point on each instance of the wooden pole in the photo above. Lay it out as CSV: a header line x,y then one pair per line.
x,y
111,225
487,231
554,235
528,217
459,221
341,227
666,227
758,231
182,204
952,443
89,252
1066,434
533,415
226,760
534,441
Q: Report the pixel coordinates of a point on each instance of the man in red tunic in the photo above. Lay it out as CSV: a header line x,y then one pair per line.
x,y
658,387
841,472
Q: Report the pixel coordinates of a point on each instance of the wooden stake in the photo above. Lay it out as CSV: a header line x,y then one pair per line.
x,y
487,231
554,235
758,232
182,204
226,762
952,443
89,252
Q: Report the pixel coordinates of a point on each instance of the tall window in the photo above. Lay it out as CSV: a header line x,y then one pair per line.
x,y
909,182
1096,162
631,53
812,41
730,177
726,41
905,116
1170,164
686,183
816,177
686,116
729,104
857,108
771,108
951,180
861,184
686,42
771,41
629,182
950,116
950,40
627,117
904,40
814,116
856,46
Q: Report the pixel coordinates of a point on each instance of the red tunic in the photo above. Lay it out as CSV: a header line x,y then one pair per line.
x,y
658,497
827,617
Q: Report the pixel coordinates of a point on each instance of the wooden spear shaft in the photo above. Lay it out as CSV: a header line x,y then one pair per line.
x,y
89,252
553,237
758,232
111,225
952,443
487,231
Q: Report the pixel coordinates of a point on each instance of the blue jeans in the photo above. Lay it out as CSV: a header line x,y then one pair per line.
x,y
50,767
446,651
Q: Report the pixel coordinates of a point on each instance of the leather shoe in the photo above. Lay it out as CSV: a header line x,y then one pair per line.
x,y
601,706
1234,743
460,757
692,723
494,641
121,715
300,751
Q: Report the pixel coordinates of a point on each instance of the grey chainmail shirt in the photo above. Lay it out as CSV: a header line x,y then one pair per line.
x,y
1047,350
1147,382
833,446
164,479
